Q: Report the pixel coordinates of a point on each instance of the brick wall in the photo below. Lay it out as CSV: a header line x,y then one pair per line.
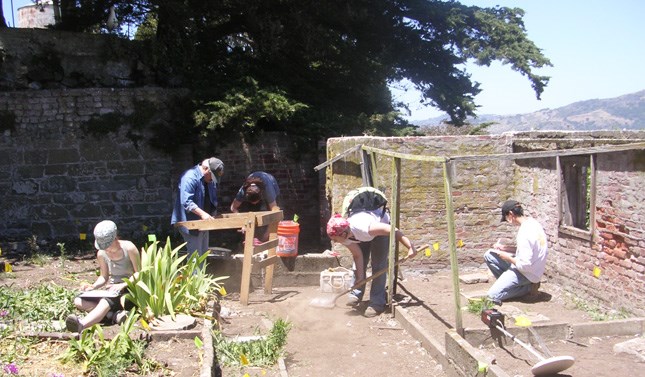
x,y
480,187
617,247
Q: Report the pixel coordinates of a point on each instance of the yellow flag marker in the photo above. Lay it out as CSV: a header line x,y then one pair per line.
x,y
82,236
460,243
596,272
152,237
7,267
0,251
522,321
246,375
243,359
222,291
144,227
435,246
482,367
144,324
428,252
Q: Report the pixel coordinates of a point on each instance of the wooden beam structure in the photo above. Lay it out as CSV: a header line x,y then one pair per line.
x,y
248,221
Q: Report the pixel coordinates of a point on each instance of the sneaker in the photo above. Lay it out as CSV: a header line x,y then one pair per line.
x,y
120,317
73,324
371,312
354,298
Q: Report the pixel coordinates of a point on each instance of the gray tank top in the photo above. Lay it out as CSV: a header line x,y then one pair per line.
x,y
119,269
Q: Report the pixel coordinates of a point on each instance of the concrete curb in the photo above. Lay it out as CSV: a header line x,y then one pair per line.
x,y
460,358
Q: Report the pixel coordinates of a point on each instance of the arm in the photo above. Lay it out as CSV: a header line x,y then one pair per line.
x,y
188,188
382,229
101,280
235,205
357,254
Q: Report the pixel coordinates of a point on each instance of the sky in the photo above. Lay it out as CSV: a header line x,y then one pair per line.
x,y
597,48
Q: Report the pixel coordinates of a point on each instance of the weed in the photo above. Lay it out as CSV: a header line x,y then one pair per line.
x,y
35,255
596,311
476,306
262,352
63,254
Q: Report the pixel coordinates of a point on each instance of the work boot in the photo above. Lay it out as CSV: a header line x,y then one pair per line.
x,y
534,289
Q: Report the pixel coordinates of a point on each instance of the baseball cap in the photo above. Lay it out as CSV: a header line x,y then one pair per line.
x,y
337,225
508,207
216,166
104,234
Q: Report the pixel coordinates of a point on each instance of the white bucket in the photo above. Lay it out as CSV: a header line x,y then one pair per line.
x,y
336,280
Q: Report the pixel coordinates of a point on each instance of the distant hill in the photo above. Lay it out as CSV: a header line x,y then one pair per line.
x,y
624,112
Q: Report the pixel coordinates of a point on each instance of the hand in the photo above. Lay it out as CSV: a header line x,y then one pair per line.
x,y
86,287
412,251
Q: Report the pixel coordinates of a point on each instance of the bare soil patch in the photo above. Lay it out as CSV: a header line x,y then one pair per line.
x,y
430,299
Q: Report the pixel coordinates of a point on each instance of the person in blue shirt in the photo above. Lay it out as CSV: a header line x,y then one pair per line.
x,y
259,192
197,200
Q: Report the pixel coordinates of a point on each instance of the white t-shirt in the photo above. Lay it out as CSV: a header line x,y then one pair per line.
x,y
530,257
359,224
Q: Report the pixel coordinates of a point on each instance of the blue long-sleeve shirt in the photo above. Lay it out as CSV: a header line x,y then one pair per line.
x,y
191,194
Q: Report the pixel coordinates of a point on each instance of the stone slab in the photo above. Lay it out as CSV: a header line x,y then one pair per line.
x,y
474,278
166,323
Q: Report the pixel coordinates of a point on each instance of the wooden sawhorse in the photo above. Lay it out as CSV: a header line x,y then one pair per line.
x,y
248,221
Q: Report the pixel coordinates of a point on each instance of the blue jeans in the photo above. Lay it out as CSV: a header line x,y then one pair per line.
x,y
510,282
378,250
195,240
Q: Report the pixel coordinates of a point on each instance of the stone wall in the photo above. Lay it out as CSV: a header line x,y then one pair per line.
x,y
58,181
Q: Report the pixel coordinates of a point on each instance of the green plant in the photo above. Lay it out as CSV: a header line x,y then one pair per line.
x,y
260,352
166,285
596,311
476,306
63,254
35,255
106,358
37,306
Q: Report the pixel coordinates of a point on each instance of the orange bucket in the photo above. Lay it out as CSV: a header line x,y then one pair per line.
x,y
288,239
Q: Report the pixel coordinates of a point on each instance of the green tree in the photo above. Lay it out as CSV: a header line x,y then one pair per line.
x,y
316,68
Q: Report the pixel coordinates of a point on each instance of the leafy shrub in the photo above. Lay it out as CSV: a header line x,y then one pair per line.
x,y
166,285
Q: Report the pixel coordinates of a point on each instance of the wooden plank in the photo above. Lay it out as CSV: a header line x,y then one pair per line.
x,y
217,223
454,266
268,217
245,286
268,272
268,261
405,155
271,244
338,157
543,154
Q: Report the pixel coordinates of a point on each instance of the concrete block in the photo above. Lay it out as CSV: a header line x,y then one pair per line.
x,y
630,326
474,278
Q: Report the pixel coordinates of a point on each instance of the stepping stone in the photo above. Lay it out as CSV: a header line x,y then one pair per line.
x,y
474,295
474,278
514,312
634,347
181,322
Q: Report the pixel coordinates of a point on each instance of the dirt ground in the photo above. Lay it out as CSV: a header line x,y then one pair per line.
x,y
341,342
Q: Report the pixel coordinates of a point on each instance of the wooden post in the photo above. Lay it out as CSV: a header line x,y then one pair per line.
x,y
394,222
450,218
249,233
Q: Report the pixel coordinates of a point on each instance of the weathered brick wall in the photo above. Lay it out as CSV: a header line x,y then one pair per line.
x,y
478,190
618,242
58,182
480,187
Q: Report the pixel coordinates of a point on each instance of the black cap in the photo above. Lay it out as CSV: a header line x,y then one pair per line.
x,y
508,207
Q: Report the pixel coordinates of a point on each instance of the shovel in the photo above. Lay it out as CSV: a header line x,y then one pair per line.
x,y
329,301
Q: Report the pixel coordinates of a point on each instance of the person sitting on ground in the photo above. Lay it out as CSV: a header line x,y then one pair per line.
x,y
518,272
365,234
118,259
